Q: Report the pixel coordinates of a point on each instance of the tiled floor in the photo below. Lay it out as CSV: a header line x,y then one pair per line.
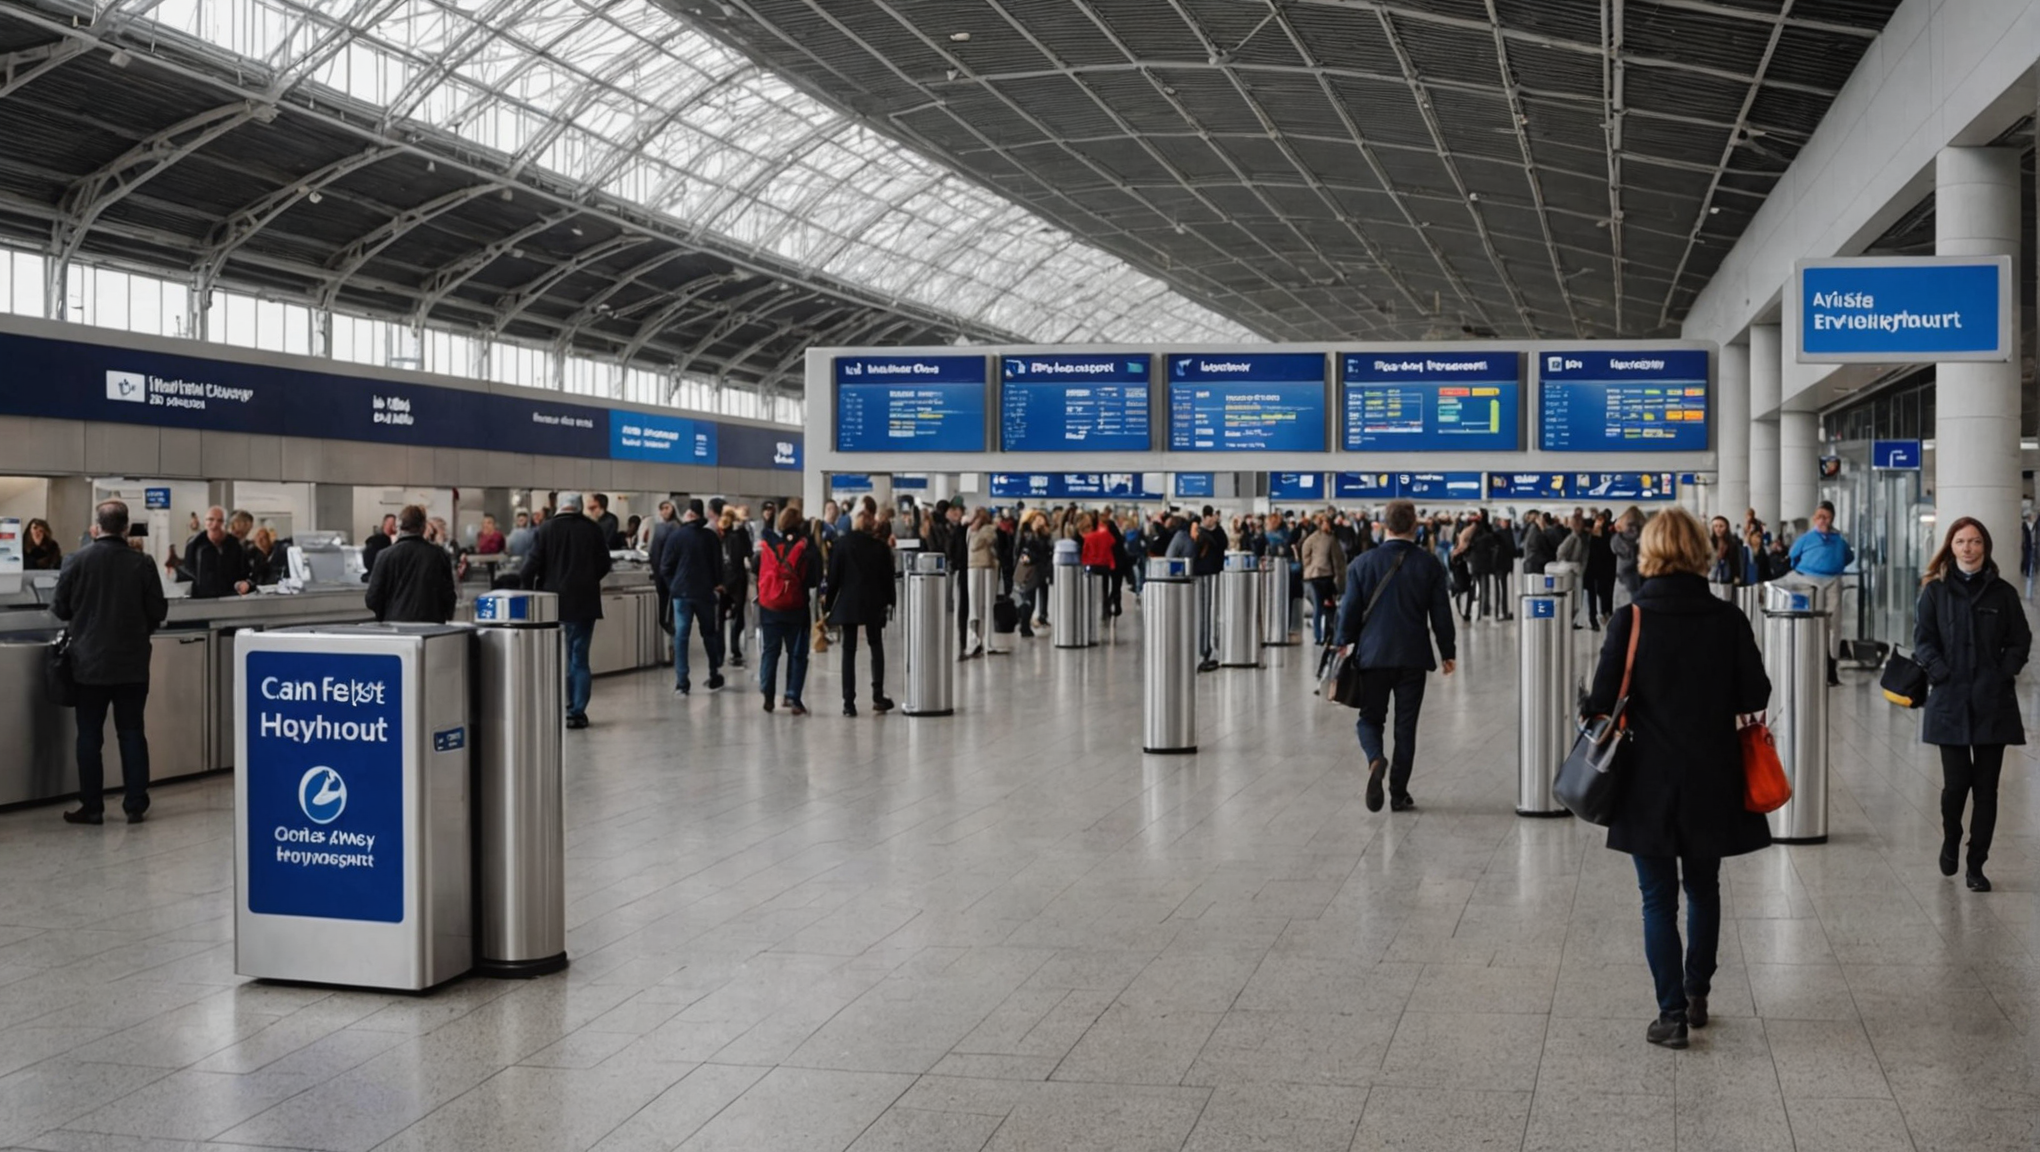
x,y
1010,930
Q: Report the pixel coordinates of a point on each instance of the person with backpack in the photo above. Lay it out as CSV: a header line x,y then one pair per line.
x,y
787,570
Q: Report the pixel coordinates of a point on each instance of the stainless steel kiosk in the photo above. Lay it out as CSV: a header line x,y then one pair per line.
x,y
520,816
353,854
1169,644
1795,658
1275,602
1239,612
1066,600
931,637
1544,677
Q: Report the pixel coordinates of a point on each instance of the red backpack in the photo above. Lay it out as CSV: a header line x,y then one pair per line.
x,y
779,583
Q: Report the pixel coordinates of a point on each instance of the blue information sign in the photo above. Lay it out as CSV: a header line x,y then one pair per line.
x,y
1623,401
850,482
664,439
156,497
1364,485
1072,486
1074,403
1431,402
325,771
1526,485
1247,402
1296,486
1904,309
1542,607
910,404
1440,485
1196,485
1896,455
909,483
1635,487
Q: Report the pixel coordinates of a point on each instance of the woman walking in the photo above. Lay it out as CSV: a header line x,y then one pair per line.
x,y
1970,634
1696,674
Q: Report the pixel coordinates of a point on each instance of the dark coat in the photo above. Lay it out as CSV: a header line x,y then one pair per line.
x,y
662,534
1697,668
412,583
1971,636
569,558
691,567
1600,556
738,556
211,569
1416,605
1539,549
1211,548
370,549
113,599
860,580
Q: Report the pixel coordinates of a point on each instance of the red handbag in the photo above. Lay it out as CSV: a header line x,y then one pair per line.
x,y
1765,788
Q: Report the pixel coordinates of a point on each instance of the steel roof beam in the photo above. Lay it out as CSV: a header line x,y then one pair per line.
x,y
672,310
595,308
444,282
513,304
241,225
738,313
19,69
351,258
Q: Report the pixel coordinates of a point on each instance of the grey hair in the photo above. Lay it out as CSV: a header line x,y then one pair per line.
x,y
570,502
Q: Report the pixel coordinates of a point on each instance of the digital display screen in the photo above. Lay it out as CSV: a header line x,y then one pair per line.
x,y
1196,485
1432,402
1440,485
1654,401
910,404
1074,403
1526,485
1364,485
1296,485
1636,487
1076,485
1247,402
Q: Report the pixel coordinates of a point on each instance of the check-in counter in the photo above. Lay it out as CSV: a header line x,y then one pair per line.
x,y
617,639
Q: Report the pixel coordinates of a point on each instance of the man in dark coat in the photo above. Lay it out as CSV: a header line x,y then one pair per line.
x,y
214,564
113,600
412,583
1393,644
691,568
569,558
384,535
1538,547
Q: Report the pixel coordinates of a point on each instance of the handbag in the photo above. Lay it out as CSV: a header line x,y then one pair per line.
x,y
1765,788
1589,783
1904,682
59,678
821,635
1345,678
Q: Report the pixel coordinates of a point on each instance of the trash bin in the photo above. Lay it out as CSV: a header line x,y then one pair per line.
x,y
520,815
930,636
1066,598
1094,606
1169,641
353,856
1239,612
1275,602
1795,658
1547,705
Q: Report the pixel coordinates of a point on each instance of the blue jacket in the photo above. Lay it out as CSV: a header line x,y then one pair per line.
x,y
691,563
1395,635
1821,554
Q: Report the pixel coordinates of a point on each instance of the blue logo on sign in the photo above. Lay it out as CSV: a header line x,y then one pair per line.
x,y
322,794
1541,609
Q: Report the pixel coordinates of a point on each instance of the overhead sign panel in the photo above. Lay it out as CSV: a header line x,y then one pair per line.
x,y
1196,485
1074,403
1440,485
1076,486
1904,309
1631,487
1247,402
662,439
1623,401
1431,401
1296,486
1526,485
910,403
1896,455
1364,485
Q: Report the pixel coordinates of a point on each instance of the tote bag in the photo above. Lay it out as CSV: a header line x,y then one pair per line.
x,y
1590,781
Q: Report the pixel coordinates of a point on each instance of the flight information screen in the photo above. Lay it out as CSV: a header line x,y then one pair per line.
x,y
1074,403
1247,402
1653,401
1432,402
910,404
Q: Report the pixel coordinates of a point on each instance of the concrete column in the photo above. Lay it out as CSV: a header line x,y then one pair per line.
x,y
1732,435
1767,384
1976,406
1798,464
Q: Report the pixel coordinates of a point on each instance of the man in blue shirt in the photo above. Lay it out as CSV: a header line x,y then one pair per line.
x,y
1820,556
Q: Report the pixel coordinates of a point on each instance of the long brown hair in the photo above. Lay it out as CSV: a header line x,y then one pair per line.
x,y
1944,559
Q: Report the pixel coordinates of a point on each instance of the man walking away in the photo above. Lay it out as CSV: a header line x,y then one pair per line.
x,y
569,558
112,599
691,568
413,580
1391,592
384,535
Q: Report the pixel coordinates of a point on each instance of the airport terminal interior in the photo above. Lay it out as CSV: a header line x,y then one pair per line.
x,y
282,282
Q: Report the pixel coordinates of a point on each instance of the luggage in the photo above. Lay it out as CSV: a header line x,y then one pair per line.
x,y
1005,618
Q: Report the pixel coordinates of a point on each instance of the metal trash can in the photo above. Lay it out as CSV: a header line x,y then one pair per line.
x,y
931,637
1275,602
520,817
1750,598
1066,598
1795,658
1548,708
1094,606
1239,612
1168,602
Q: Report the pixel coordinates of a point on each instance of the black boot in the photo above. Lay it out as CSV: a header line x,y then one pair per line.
x,y
1668,1030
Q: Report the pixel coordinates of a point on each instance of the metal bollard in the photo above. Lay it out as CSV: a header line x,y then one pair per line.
x,y
931,637
1169,643
1547,706
1795,658
1239,612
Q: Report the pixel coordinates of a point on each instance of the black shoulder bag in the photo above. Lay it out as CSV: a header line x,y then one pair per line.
x,y
1589,783
1346,681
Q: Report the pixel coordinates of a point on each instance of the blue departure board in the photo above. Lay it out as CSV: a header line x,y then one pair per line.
x,y
1440,485
1526,485
1364,485
1296,486
1651,401
910,404
1196,485
1247,402
1624,487
1076,485
1432,401
1074,403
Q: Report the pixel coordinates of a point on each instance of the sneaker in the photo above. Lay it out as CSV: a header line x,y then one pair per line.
x,y
715,681
81,816
1667,1031
1375,769
736,661
882,705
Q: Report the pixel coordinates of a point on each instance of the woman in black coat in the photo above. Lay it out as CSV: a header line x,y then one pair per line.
x,y
1970,634
1599,578
861,596
1697,673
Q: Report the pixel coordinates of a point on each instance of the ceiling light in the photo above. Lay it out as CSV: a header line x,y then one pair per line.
x,y
951,74
517,253
575,231
1473,197
121,58
959,37
506,194
432,165
315,197
1715,210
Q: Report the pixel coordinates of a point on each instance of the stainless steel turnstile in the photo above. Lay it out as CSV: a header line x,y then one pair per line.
x,y
1795,658
930,636
1547,706
1168,623
1239,612
520,815
1066,600
1275,602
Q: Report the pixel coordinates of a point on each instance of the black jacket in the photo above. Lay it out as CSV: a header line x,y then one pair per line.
x,y
1697,668
1416,605
112,598
1600,556
737,557
860,580
370,549
212,570
569,558
1539,549
1970,634
1211,547
412,584
691,566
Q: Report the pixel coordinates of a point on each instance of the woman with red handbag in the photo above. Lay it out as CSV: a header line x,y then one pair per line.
x,y
1694,672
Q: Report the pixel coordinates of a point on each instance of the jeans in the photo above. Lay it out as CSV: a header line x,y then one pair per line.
x,y
788,630
1658,877
127,702
686,613
580,681
1376,686
874,635
1966,769
1324,597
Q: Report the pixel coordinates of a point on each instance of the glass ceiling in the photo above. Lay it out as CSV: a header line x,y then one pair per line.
x,y
625,98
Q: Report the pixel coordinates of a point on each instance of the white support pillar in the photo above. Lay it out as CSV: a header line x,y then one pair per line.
x,y
1798,464
1767,385
1732,438
1976,406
